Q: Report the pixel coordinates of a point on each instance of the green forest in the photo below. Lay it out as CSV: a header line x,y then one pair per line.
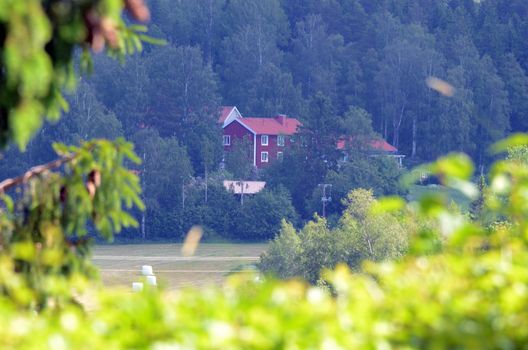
x,y
340,66
109,127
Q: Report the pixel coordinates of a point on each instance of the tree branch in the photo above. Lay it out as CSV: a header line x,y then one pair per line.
x,y
34,171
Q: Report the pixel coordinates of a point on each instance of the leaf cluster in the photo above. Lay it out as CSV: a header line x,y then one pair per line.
x,y
38,40
48,224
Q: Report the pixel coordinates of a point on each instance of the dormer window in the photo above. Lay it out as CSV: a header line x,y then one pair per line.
x,y
264,140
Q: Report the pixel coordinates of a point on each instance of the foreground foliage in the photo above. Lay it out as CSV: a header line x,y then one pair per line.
x,y
38,39
450,301
49,211
44,241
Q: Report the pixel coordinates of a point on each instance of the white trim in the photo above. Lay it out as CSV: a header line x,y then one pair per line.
x,y
282,136
228,138
262,159
255,150
233,115
262,137
238,114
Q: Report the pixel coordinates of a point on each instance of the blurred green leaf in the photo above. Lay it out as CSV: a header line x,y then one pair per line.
x,y
514,140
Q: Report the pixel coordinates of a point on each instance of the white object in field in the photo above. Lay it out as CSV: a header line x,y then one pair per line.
x,y
146,270
151,280
137,286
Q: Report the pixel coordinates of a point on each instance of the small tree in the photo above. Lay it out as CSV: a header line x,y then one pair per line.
x,y
282,255
374,236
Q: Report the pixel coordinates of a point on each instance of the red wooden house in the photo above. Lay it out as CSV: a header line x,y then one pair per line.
x,y
268,137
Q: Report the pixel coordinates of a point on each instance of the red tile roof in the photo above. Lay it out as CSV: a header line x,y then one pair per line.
x,y
224,113
377,145
272,126
383,145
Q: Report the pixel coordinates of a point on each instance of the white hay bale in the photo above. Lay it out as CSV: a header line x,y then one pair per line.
x,y
146,270
151,280
137,286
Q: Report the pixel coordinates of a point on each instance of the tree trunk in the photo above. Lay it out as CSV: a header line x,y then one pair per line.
x,y
414,127
144,212
396,123
206,185
183,195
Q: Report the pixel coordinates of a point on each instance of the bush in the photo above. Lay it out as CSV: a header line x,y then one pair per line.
x,y
359,235
260,216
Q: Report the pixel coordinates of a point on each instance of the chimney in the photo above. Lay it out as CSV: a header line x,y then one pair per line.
x,y
281,118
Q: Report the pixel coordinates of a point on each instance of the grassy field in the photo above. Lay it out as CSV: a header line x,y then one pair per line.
x,y
120,265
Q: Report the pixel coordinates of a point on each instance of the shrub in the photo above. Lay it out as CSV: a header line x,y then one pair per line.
x,y
359,235
260,216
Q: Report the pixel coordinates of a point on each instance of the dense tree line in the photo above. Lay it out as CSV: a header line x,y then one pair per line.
x,y
340,66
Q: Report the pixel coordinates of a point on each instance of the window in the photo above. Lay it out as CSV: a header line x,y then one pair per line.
x,y
264,140
280,156
227,140
280,140
264,157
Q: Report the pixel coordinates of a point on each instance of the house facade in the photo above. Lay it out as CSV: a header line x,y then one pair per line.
x,y
267,137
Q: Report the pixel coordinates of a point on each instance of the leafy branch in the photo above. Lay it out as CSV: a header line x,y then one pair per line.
x,y
45,235
34,171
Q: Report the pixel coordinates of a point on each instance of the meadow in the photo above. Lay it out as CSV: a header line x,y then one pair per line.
x,y
120,265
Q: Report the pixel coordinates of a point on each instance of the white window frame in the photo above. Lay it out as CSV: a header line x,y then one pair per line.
x,y
262,138
280,156
262,154
282,138
228,138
